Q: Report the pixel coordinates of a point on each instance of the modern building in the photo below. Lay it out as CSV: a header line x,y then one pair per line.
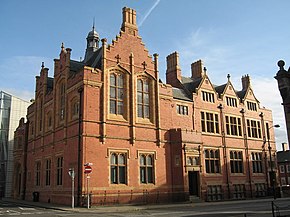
x,y
146,141
11,110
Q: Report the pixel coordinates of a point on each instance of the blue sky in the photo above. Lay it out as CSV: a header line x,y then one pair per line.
x,y
231,36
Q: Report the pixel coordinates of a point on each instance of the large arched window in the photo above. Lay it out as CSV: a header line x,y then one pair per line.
x,y
116,94
143,99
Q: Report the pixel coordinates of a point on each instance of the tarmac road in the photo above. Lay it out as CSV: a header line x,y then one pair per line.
x,y
245,208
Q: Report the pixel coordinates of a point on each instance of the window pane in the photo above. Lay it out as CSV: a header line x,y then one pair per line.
x,y
139,85
139,98
142,175
113,159
120,108
121,159
146,86
149,160
120,93
120,81
112,107
140,111
113,174
150,174
146,111
113,80
146,98
142,160
122,174
113,92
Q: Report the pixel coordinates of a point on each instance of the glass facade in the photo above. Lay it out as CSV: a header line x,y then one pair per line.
x,y
12,109
5,106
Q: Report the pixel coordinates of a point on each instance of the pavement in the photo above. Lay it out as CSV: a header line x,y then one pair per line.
x,y
129,208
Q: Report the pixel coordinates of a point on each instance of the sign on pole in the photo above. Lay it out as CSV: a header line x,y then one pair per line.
x,y
88,169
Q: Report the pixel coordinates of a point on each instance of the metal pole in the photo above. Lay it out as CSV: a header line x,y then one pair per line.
x,y
88,200
272,179
72,193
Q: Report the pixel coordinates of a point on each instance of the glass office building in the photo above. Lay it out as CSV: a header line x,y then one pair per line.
x,y
12,109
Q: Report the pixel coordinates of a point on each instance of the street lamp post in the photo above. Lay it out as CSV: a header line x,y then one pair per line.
x,y
272,173
71,172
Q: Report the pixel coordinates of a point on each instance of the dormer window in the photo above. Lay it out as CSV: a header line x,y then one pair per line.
x,y
231,101
207,96
252,106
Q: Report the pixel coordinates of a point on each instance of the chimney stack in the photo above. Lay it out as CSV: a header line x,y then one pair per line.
x,y
285,146
129,24
173,71
197,70
246,82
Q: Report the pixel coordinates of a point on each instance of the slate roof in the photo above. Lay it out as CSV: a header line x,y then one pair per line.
x,y
283,156
191,84
180,94
95,60
220,89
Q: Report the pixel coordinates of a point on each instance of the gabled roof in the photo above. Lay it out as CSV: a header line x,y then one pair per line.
x,y
96,59
191,84
180,94
283,156
220,89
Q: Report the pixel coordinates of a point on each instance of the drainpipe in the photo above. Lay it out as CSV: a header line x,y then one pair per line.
x,y
224,149
247,150
80,91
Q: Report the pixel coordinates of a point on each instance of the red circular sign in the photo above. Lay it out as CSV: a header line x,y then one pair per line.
x,y
88,169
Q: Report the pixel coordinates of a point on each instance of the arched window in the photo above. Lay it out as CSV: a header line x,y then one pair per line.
x,y
143,99
116,94
118,168
146,169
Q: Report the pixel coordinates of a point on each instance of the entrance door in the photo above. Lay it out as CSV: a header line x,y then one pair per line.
x,y
193,182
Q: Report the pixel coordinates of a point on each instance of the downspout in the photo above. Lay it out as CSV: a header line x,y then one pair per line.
x,y
247,150
80,91
25,160
263,147
224,149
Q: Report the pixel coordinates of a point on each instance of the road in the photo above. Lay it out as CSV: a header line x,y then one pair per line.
x,y
250,208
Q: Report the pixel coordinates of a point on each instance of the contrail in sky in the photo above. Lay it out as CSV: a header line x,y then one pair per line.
x,y
148,13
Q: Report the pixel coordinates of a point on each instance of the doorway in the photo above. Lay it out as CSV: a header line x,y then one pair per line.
x,y
193,182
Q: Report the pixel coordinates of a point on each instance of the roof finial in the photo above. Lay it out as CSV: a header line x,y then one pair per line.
x,y
94,24
62,46
42,65
204,69
228,76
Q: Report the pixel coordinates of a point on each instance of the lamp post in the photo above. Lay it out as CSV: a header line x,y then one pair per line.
x,y
71,172
272,173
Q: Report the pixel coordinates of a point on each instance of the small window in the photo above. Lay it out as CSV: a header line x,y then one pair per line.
x,y
236,161
252,106
207,96
182,109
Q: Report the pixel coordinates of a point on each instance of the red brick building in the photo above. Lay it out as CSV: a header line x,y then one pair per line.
x,y
148,141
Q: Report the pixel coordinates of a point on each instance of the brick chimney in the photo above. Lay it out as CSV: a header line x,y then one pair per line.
x,y
129,24
285,146
197,70
246,82
173,71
